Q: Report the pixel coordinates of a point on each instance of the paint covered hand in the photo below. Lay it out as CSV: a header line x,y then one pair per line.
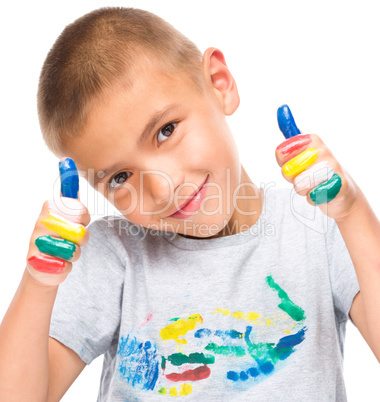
x,y
310,166
59,231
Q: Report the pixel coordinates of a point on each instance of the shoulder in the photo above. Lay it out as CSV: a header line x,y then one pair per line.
x,y
285,208
123,235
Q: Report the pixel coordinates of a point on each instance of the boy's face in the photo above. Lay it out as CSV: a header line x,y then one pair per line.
x,y
188,143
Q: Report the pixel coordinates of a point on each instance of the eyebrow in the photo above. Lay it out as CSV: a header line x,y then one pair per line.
x,y
156,118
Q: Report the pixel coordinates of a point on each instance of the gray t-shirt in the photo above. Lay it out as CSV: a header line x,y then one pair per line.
x,y
256,316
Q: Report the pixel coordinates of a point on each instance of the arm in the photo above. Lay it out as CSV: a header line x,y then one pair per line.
x,y
326,184
360,230
25,345
34,367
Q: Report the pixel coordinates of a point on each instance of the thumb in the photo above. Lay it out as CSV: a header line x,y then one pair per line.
x,y
69,178
286,122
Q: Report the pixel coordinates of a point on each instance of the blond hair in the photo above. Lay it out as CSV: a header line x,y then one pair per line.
x,y
98,50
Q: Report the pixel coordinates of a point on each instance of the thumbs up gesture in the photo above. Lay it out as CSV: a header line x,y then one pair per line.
x,y
59,231
309,165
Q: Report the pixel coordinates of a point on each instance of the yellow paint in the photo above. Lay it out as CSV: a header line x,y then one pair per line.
x,y
180,328
66,229
173,391
269,322
238,315
186,389
252,316
222,311
300,162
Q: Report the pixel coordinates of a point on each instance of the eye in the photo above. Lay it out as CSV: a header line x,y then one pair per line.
x,y
166,131
117,180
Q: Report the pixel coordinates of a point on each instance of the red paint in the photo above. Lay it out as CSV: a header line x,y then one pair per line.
x,y
294,143
147,320
47,263
200,373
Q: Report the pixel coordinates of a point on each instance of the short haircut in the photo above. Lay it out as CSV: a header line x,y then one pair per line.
x,y
97,51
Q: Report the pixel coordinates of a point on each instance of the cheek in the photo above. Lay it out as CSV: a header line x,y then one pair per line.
x,y
125,200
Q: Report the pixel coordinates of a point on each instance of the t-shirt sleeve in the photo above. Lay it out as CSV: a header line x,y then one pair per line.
x,y
344,282
87,309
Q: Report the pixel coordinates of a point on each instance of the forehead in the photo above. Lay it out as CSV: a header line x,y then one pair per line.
x,y
116,120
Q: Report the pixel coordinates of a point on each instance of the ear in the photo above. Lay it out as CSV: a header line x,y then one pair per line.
x,y
218,75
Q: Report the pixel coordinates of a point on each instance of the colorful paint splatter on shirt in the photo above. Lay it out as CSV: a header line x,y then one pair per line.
x,y
243,358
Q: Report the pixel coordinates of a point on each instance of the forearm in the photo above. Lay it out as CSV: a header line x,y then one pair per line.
x,y
24,340
360,230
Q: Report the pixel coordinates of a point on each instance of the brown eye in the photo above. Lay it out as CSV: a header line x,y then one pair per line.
x,y
118,179
166,131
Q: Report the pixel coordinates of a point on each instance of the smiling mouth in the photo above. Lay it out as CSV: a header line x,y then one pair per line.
x,y
191,199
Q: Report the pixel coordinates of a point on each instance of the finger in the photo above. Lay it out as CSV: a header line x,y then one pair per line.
x,y
312,177
61,248
46,263
71,209
286,122
69,178
66,229
327,191
300,163
287,149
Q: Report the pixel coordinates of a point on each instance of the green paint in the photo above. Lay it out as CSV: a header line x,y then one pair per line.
x,y
260,350
163,362
326,192
179,358
296,312
60,248
162,391
174,319
225,350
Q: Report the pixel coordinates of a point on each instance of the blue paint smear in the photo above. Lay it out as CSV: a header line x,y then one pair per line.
x,y
243,376
202,333
286,122
233,375
283,349
291,340
248,331
139,363
253,372
69,178
228,334
266,367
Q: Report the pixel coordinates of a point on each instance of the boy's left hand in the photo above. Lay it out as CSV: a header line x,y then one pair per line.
x,y
309,165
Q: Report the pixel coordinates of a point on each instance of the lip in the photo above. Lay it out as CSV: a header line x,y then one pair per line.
x,y
191,206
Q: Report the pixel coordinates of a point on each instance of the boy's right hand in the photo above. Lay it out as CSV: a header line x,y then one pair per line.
x,y
59,231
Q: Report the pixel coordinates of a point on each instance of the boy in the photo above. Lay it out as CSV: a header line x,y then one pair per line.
x,y
199,305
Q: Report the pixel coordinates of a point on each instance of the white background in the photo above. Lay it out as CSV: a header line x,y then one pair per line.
x,y
321,58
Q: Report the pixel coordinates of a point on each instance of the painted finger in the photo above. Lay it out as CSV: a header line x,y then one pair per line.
x,y
46,263
66,229
55,247
287,149
300,163
57,223
69,208
69,178
313,177
286,122
327,191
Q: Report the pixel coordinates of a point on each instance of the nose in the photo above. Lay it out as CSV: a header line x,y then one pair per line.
x,y
159,185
